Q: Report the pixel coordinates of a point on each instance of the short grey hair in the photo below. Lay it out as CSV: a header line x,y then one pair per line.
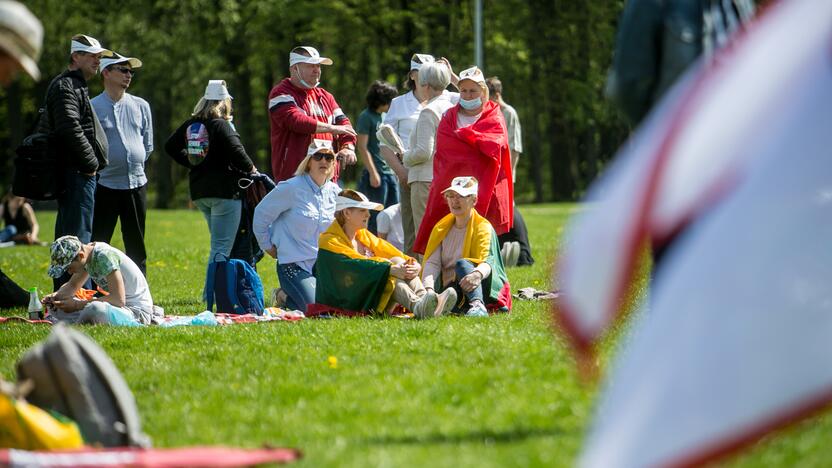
x,y
435,75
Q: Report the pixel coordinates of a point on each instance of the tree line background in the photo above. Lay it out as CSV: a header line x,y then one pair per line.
x,y
552,57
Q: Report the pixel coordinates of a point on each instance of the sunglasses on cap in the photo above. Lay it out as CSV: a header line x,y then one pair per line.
x,y
124,70
322,155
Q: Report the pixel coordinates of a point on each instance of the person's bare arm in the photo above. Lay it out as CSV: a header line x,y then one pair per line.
x,y
29,214
367,159
115,286
395,163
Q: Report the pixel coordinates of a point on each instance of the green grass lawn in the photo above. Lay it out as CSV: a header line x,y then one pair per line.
x,y
450,392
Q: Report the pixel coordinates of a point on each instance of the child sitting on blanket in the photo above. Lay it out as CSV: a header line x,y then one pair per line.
x,y
128,302
358,272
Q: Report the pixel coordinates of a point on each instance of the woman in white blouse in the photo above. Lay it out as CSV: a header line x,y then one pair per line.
x,y
419,158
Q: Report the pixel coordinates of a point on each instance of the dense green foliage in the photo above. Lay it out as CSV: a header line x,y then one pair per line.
x,y
450,392
552,57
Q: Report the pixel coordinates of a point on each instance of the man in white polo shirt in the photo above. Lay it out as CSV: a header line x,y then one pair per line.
x,y
122,186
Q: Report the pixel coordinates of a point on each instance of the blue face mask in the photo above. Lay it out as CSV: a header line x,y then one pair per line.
x,y
470,104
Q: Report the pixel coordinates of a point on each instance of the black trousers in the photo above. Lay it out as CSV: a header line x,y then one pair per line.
x,y
131,207
519,233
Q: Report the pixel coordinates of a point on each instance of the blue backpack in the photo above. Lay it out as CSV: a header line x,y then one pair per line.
x,y
235,286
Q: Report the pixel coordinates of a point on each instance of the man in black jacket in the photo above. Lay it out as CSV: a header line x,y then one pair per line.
x,y
80,142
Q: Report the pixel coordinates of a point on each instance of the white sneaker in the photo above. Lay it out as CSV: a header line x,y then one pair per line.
x,y
513,254
504,252
446,302
477,310
426,305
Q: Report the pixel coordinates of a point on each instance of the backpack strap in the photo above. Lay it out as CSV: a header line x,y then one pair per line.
x,y
209,284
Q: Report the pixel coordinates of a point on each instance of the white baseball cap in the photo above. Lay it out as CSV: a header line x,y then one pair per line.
x,y
21,36
319,146
314,57
417,60
116,59
344,202
89,45
474,74
216,91
464,186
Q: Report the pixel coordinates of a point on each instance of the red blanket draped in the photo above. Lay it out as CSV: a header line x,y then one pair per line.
x,y
480,150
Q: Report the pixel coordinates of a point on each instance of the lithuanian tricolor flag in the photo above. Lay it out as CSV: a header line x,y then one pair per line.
x,y
349,283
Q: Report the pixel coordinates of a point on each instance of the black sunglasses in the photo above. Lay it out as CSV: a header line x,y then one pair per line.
x,y
319,156
124,70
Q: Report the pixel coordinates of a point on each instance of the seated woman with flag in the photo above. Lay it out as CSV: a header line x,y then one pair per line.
x,y
463,255
359,273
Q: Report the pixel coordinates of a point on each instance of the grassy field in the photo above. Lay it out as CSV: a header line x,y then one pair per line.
x,y
451,392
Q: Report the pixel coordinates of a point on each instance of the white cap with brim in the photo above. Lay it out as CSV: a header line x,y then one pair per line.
x,y
317,146
464,186
314,57
21,36
116,59
423,59
344,202
217,91
474,74
94,47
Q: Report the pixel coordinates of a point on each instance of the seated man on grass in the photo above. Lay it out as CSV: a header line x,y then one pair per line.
x,y
128,301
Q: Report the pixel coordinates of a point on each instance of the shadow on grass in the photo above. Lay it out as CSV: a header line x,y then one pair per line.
x,y
487,436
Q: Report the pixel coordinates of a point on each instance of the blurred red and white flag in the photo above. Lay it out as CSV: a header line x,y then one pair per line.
x,y
734,166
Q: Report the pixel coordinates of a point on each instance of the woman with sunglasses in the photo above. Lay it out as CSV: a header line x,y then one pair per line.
x,y
289,220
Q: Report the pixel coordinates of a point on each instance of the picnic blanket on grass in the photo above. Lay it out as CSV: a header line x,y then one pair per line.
x,y
271,314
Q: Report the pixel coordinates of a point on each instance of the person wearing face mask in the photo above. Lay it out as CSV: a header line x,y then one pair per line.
x,y
300,112
471,140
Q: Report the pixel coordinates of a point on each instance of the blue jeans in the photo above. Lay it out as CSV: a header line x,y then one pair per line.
x,y
299,285
75,210
7,233
387,194
223,217
464,267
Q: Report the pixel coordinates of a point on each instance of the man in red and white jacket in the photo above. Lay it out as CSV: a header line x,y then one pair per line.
x,y
300,111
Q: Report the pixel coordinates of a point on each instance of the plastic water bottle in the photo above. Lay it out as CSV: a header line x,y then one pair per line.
x,y
35,307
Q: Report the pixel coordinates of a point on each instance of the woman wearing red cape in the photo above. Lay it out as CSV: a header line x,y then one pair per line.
x,y
471,141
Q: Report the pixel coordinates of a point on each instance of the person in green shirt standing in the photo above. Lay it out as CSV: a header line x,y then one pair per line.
x,y
378,181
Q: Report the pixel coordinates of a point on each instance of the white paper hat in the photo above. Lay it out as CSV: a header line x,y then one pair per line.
x,y
464,186
216,91
474,74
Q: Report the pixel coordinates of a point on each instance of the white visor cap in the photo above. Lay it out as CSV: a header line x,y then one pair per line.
x,y
344,202
464,186
116,59
314,57
94,47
